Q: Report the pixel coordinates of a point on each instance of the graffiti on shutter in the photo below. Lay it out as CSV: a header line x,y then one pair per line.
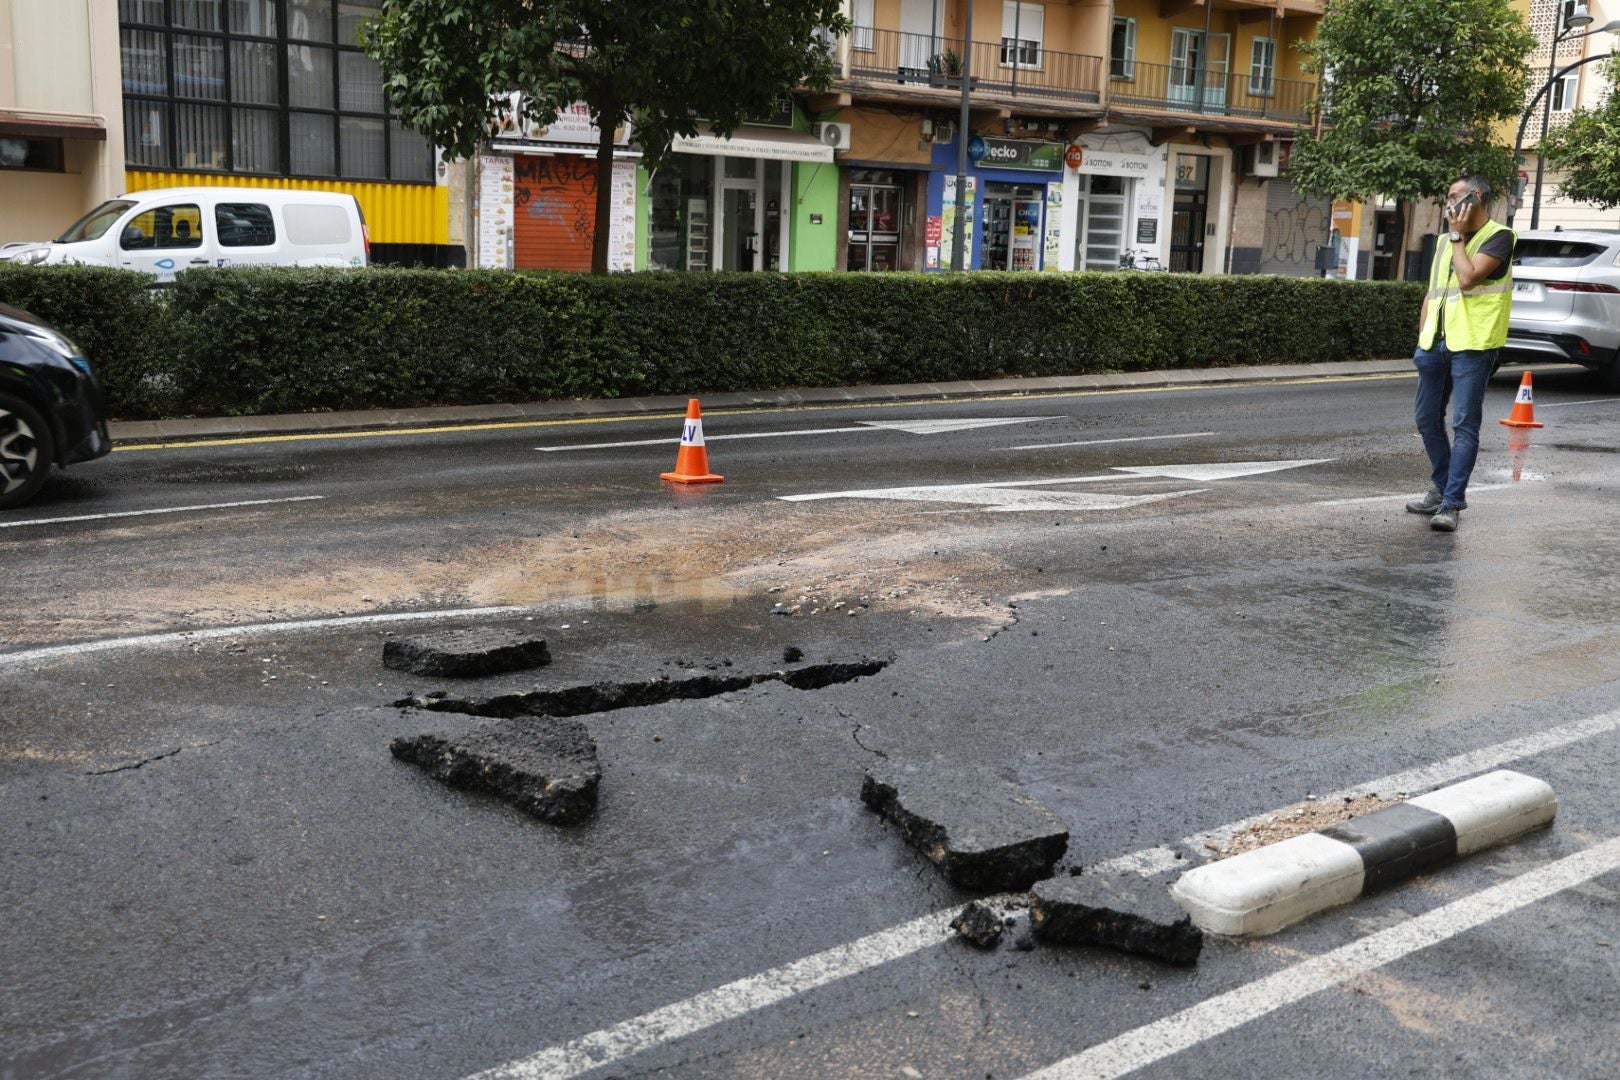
x,y
554,212
1295,228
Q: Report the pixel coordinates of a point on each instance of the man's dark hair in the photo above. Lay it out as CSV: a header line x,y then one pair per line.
x,y
1477,183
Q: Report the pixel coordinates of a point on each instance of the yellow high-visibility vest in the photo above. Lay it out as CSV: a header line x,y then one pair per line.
x,y
1476,318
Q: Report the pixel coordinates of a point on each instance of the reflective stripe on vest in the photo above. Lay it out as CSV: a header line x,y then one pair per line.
x,y
1476,318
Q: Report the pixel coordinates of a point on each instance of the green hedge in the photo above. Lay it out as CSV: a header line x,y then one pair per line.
x,y
254,341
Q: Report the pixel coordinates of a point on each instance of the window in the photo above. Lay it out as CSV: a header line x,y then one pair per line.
x,y
1122,49
244,225
1022,30
1564,92
260,87
1263,67
314,225
862,15
17,152
164,227
1566,8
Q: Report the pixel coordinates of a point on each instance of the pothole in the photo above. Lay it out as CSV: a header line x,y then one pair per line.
x,y
609,696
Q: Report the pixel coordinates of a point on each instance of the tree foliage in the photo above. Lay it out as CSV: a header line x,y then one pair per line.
x,y
1587,147
1415,92
450,66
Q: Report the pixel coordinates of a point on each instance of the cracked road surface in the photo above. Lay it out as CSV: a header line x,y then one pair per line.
x,y
215,868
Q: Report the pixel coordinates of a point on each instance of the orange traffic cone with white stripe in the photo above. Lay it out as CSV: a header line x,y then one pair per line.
x,y
692,460
1524,407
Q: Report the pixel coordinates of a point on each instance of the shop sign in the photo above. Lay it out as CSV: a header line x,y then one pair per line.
x,y
1026,154
1074,156
573,125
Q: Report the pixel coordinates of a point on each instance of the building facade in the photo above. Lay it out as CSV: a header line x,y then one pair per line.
x,y
1583,87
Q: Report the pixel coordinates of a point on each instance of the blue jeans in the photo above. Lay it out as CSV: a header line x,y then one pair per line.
x,y
1460,378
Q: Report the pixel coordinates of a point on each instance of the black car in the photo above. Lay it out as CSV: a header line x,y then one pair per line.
x,y
51,409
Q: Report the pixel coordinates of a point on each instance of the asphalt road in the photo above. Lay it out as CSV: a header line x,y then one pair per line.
x,y
1163,613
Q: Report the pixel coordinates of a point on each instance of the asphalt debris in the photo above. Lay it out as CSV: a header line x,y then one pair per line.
x,y
979,926
545,767
981,831
1120,911
467,653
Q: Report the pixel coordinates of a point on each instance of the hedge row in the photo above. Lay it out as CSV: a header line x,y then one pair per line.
x,y
256,341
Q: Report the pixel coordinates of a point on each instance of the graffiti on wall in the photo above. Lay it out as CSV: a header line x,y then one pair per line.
x,y
559,190
1293,234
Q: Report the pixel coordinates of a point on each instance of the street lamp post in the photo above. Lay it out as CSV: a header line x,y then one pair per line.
x,y
959,257
1578,20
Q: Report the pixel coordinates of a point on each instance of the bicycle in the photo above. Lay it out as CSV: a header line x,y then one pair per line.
x,y
1141,259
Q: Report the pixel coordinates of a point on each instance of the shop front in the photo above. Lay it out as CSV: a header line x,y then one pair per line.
x,y
1113,201
536,206
1012,206
884,189
731,204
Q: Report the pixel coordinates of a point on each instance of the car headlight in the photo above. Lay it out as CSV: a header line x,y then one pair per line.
x,y
61,346
32,256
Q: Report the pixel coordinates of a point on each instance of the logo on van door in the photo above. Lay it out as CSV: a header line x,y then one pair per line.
x,y
164,264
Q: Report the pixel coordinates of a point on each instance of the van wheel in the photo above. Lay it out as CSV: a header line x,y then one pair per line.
x,y
26,451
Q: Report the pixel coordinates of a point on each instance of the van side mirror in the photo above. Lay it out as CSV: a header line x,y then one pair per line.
x,y
133,237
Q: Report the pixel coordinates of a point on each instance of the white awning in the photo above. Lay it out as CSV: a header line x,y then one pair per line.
x,y
786,146
555,149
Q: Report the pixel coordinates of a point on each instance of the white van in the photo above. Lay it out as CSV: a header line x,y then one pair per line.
x,y
165,230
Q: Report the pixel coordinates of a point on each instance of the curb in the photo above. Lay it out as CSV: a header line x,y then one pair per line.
x,y
674,405
1265,890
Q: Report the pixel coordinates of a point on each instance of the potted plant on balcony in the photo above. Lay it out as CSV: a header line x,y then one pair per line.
x,y
945,69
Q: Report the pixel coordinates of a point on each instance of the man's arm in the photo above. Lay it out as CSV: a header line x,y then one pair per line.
x,y
1478,267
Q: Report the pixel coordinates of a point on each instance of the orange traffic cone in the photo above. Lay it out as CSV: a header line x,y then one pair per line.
x,y
692,460
1524,407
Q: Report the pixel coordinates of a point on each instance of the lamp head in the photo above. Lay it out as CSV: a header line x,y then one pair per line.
x,y
1579,18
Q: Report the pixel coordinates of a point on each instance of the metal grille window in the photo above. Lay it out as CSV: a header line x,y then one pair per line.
x,y
260,87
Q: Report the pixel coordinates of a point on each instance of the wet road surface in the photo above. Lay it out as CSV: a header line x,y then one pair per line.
x,y
214,867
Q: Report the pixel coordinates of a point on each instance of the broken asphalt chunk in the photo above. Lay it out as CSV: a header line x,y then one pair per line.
x,y
981,831
544,767
978,926
470,652
1122,911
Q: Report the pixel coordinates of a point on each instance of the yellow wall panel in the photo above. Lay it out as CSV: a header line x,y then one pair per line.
x,y
395,213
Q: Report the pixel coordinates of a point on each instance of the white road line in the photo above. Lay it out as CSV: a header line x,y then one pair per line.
x,y
1154,1042
1474,489
165,510
84,648
1566,404
734,999
675,439
1105,442
738,999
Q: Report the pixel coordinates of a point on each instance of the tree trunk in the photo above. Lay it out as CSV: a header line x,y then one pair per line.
x,y
607,119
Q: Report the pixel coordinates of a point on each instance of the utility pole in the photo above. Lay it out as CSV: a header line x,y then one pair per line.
x,y
959,259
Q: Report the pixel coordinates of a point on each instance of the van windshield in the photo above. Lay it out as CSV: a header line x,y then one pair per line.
x,y
96,222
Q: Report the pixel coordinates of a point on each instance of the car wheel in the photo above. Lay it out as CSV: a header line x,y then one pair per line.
x,y
26,451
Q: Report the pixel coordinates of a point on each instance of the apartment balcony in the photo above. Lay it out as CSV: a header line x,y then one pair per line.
x,y
894,66
882,60
1168,88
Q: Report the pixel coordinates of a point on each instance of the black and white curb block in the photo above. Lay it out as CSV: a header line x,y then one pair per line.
x,y
467,653
1262,891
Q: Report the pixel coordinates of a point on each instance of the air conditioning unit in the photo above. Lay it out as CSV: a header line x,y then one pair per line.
x,y
1262,159
833,135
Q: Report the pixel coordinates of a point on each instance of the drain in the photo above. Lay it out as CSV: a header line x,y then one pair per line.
x,y
607,697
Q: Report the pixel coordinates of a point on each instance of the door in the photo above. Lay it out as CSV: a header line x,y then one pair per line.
x,y
922,24
1102,222
1190,214
874,223
1027,234
1192,63
164,240
739,225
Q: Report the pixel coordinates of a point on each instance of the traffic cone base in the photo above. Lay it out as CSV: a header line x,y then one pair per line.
x,y
692,459
1524,407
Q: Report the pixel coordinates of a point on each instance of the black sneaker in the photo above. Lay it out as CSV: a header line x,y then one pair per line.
x,y
1430,503
1445,518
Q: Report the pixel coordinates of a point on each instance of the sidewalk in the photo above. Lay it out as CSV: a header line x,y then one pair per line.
x,y
675,405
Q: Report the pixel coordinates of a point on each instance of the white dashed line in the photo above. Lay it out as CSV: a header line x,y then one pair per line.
x,y
1154,1042
165,510
1105,442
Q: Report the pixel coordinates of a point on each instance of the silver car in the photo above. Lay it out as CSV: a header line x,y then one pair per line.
x,y
1566,301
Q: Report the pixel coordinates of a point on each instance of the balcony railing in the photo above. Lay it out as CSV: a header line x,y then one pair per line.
x,y
888,56
1176,88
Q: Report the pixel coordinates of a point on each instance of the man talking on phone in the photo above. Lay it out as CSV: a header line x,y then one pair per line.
x,y
1463,328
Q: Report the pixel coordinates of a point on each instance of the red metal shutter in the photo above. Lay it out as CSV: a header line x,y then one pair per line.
x,y
554,211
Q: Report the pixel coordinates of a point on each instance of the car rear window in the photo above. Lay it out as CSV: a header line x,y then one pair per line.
x,y
244,225
1536,252
313,225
